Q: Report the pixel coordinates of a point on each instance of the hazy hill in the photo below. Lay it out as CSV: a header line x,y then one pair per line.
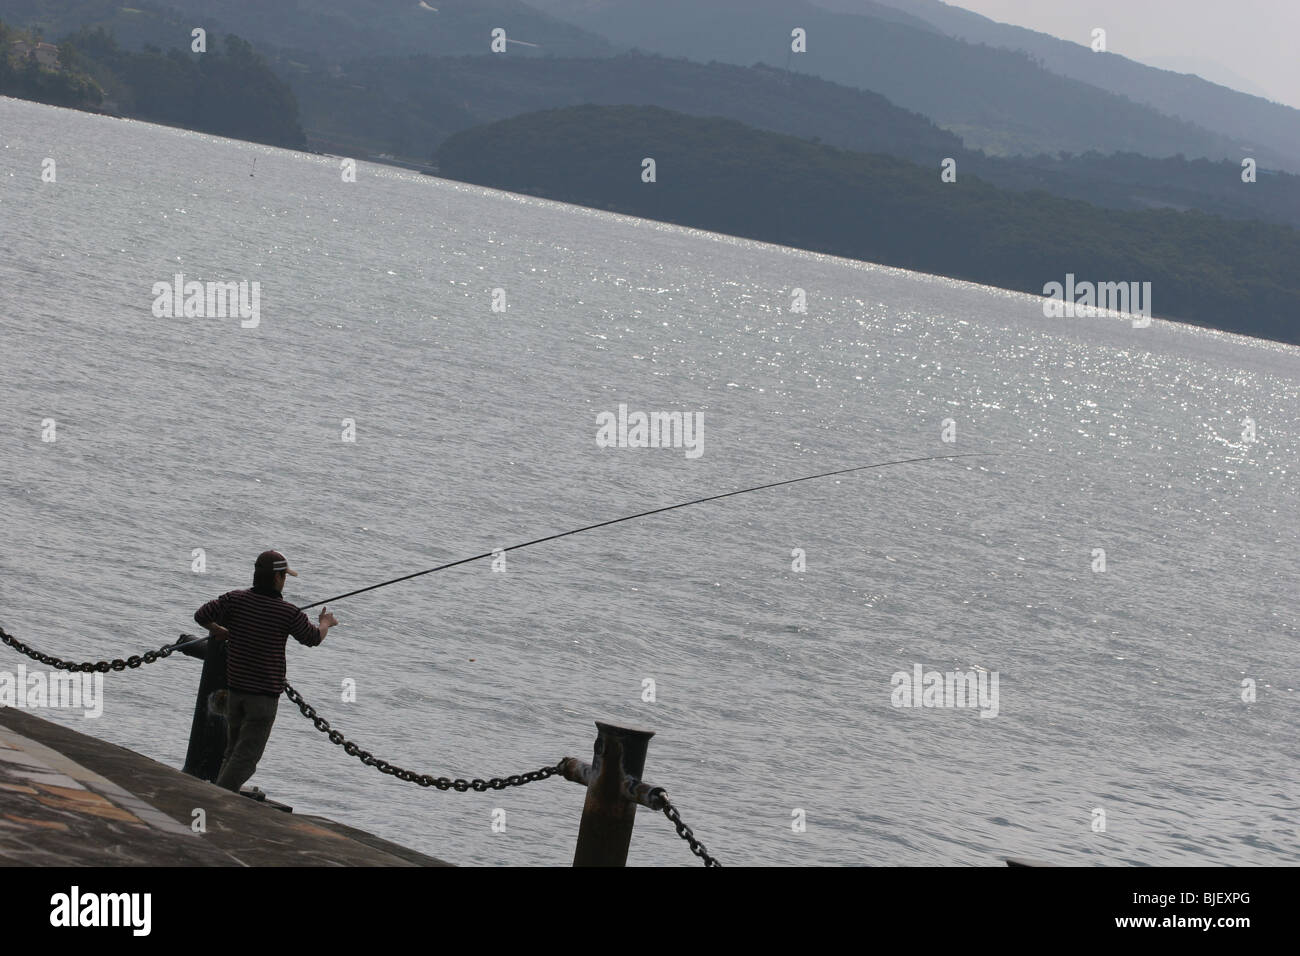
x,y
229,90
330,29
408,105
133,27
721,175
1131,181
997,100
1252,120
355,28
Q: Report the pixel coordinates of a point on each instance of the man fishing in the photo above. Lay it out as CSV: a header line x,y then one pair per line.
x,y
256,624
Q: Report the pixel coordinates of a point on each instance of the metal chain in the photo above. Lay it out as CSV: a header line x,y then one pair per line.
x,y
496,783
423,779
335,736
686,834
117,664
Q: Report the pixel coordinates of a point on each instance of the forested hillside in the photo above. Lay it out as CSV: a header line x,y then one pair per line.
x,y
720,175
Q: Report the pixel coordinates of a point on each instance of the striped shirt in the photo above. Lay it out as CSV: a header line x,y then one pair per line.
x,y
259,627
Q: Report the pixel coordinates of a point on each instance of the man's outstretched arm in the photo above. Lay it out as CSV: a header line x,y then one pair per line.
x,y
309,634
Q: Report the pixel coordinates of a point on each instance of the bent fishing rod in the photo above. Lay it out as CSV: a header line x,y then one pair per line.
x,y
643,514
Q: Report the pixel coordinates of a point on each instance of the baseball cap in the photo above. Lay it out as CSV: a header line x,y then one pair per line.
x,y
275,561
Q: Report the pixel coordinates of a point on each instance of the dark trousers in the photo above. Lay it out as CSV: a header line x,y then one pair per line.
x,y
248,725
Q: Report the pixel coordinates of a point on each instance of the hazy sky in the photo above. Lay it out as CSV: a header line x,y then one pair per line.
x,y
1257,41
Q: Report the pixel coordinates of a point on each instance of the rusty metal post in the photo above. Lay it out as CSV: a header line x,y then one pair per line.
x,y
208,729
607,815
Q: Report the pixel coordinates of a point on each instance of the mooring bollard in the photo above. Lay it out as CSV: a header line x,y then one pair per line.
x,y
607,815
208,731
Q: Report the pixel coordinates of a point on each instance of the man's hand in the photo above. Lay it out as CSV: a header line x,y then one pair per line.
x,y
217,632
326,621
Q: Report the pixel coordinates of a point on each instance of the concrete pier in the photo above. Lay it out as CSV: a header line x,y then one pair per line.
x,y
68,799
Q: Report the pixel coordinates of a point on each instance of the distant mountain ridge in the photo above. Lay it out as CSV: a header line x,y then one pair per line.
x,y
413,103
328,28
404,106
394,27
998,100
407,106
1255,122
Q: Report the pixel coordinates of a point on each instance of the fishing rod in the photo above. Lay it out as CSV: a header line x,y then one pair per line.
x,y
643,514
